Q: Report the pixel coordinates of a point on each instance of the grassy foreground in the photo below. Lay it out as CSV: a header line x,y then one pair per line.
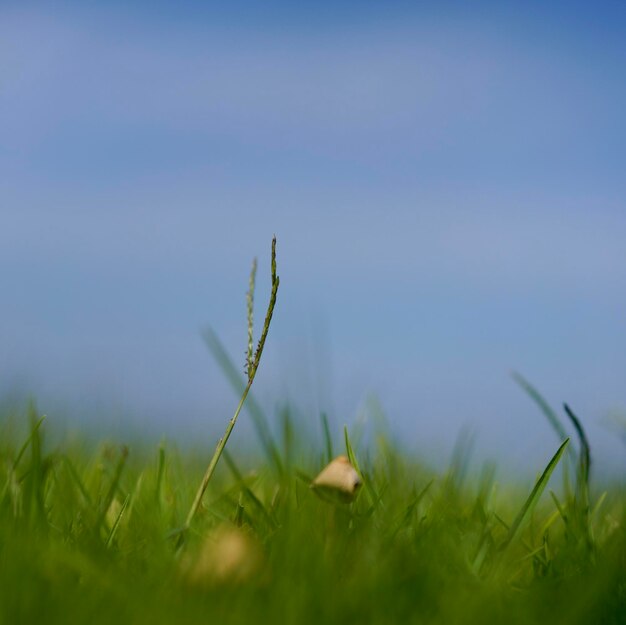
x,y
95,537
112,536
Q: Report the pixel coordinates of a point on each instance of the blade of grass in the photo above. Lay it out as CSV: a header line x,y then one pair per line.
x,y
288,436
18,457
33,430
584,468
461,456
239,512
559,507
134,495
36,476
367,482
158,491
549,521
327,437
76,478
481,554
533,498
410,509
553,420
351,456
116,523
544,406
112,488
598,505
245,489
585,451
304,477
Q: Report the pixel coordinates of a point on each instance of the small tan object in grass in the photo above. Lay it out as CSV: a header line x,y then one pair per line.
x,y
228,555
338,481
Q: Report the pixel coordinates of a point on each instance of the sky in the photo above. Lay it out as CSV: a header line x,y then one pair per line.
x,y
446,186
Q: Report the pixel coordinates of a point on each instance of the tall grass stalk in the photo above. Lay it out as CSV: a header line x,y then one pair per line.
x,y
252,365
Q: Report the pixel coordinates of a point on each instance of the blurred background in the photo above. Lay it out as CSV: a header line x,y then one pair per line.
x,y
446,185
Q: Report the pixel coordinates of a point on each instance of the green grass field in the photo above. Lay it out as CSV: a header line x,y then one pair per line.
x,y
140,535
95,537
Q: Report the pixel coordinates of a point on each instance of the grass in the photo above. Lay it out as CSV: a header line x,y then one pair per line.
x,y
91,537
140,535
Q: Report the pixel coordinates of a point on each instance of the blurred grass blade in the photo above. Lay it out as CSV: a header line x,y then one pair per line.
x,y
461,456
158,491
584,468
598,505
327,437
534,496
549,521
112,488
246,489
116,523
552,418
410,509
288,437
544,406
36,476
585,451
238,517
559,507
373,496
33,431
76,478
350,451
11,473
134,495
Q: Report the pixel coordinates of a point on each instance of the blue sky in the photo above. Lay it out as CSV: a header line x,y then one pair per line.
x,y
446,186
